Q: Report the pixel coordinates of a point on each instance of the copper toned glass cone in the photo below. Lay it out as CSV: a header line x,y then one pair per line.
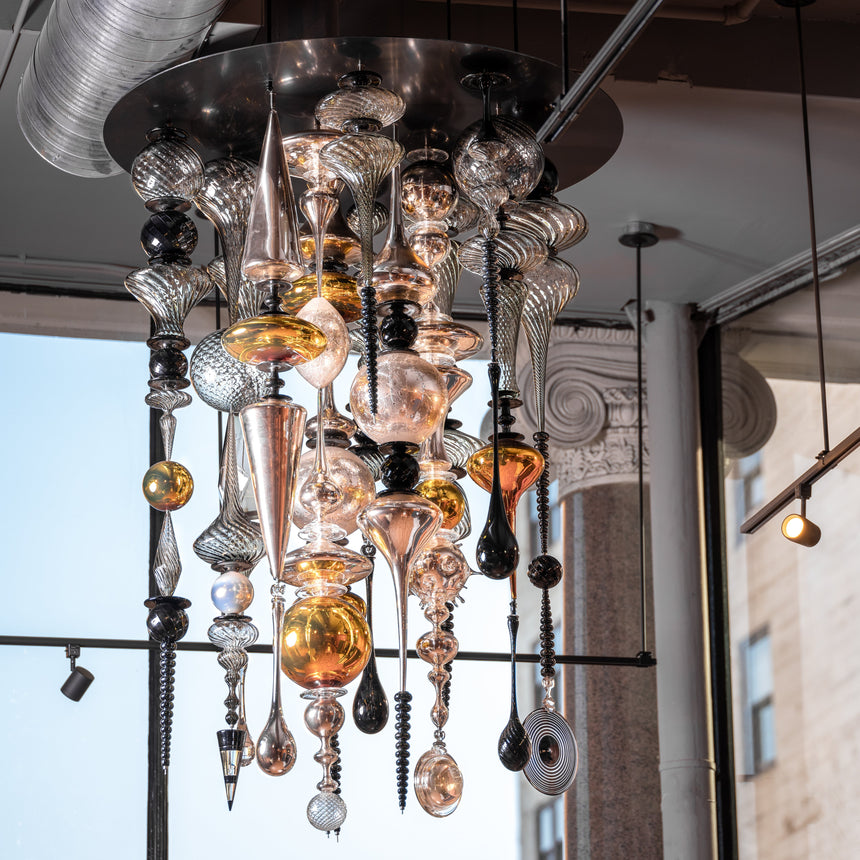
x,y
560,226
398,273
272,241
273,436
273,341
168,291
550,287
225,199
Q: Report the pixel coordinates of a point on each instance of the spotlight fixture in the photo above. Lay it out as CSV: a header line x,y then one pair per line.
x,y
79,680
796,527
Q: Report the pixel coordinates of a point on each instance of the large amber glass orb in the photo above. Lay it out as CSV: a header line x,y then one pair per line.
x,y
412,399
168,485
340,289
520,466
447,496
325,642
273,340
353,479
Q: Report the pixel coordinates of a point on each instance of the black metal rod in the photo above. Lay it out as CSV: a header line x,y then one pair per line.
x,y
816,286
467,656
515,14
448,4
565,59
640,445
825,463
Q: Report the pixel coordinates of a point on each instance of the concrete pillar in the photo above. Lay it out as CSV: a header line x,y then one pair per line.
x,y
687,769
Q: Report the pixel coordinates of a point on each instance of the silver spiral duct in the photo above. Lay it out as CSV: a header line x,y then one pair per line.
x,y
89,54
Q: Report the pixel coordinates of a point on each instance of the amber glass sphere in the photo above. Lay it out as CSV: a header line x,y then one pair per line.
x,y
340,289
274,339
325,642
355,600
168,485
520,466
447,496
412,399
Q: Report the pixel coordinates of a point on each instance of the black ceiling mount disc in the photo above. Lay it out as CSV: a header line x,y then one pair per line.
x,y
639,234
220,101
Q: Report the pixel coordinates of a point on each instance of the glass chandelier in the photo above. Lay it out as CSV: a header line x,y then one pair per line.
x,y
301,295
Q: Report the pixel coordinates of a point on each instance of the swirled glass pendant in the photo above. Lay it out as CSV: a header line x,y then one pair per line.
x,y
559,225
168,173
220,380
360,103
552,766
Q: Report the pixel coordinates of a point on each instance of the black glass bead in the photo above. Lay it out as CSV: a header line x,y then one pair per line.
x,y
168,237
398,330
400,471
545,571
167,620
168,363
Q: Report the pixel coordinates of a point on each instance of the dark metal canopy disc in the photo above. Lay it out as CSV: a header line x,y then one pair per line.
x,y
221,101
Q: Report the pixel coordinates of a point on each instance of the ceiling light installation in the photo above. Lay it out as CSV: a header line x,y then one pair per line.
x,y
796,527
291,296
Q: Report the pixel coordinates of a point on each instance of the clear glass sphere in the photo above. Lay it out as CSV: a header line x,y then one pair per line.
x,y
167,485
326,811
353,479
430,242
168,167
325,642
325,368
447,496
427,192
412,399
232,593
438,782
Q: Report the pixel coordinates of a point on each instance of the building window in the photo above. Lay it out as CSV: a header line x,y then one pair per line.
x,y
761,729
551,830
749,489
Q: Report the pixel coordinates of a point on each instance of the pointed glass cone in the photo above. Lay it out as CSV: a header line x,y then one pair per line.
x,y
326,367
273,432
400,525
511,295
550,287
447,276
272,251
230,743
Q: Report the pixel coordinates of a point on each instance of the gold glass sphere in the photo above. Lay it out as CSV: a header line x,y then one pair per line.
x,y
355,600
447,496
273,340
168,485
325,642
340,289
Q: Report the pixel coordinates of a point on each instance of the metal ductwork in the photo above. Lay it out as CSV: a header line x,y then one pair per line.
x,y
89,54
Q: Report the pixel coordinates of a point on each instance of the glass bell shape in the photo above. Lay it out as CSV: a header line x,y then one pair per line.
x,y
360,103
325,368
273,432
438,782
412,400
325,642
272,250
338,288
352,477
520,466
273,341
398,273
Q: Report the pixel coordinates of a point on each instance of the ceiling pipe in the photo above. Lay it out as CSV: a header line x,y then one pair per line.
x,y
88,55
737,13
571,103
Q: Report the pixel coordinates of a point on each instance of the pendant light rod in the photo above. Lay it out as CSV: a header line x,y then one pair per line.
x,y
816,286
639,235
574,99
565,57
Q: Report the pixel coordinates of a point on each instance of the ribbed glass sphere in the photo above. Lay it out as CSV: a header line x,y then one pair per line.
x,y
438,782
326,811
447,496
168,167
427,192
353,479
167,485
412,399
325,642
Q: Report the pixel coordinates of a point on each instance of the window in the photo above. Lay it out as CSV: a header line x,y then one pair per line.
x,y
749,489
551,830
758,667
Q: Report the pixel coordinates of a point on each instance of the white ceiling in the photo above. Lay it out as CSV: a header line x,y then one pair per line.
x,y
719,171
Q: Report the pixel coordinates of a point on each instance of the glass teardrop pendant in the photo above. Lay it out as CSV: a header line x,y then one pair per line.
x,y
370,705
498,552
